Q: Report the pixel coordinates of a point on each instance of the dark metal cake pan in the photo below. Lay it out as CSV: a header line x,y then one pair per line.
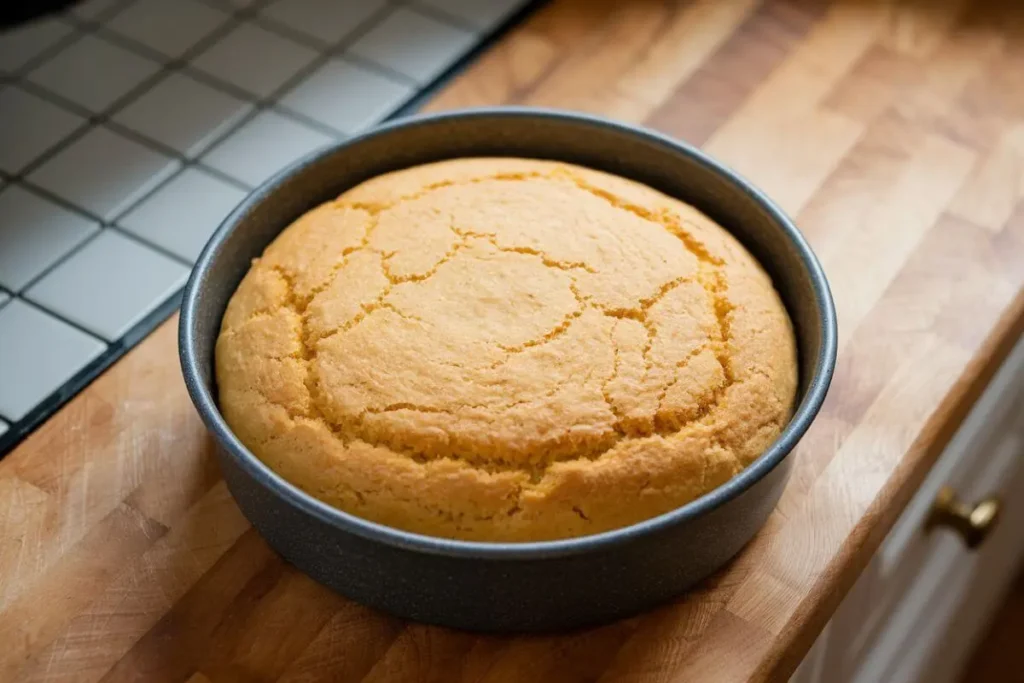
x,y
510,586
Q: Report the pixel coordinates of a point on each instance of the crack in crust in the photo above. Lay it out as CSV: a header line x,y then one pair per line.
x,y
710,277
605,393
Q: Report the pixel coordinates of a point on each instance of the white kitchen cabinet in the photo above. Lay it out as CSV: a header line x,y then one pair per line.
x,y
925,599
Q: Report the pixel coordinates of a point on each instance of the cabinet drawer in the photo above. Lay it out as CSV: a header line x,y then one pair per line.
x,y
896,623
938,581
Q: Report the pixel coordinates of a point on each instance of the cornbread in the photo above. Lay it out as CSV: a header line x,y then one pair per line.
x,y
506,350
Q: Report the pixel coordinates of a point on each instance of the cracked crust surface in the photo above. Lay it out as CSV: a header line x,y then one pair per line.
x,y
506,350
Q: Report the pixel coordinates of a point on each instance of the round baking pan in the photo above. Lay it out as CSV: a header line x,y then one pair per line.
x,y
510,586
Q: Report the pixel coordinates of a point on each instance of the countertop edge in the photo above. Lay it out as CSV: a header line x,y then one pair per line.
x,y
823,599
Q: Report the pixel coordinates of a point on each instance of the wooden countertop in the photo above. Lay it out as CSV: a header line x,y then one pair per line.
x,y
895,136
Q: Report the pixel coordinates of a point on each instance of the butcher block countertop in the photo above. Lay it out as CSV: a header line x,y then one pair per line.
x,y
892,132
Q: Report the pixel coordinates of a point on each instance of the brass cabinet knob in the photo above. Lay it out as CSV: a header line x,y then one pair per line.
x,y
972,522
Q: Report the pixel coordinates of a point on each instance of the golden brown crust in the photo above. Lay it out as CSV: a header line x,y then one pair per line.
x,y
506,349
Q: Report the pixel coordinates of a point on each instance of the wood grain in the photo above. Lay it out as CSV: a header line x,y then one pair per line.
x,y
893,131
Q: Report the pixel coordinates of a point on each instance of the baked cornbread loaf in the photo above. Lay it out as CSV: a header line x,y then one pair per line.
x,y
506,350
